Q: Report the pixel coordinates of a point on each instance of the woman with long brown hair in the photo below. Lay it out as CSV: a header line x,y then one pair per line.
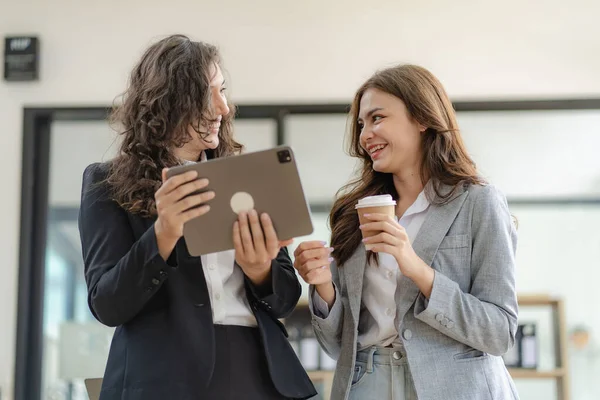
x,y
424,306
186,327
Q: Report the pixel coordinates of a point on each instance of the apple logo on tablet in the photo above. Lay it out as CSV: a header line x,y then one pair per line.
x,y
241,201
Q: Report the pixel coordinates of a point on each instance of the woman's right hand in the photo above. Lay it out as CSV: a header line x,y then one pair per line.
x,y
312,260
175,205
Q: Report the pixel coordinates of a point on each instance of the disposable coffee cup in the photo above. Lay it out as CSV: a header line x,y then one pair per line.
x,y
383,204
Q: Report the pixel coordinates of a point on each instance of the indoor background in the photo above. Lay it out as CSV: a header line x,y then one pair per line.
x,y
524,75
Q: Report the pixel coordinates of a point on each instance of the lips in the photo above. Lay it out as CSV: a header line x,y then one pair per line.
x,y
376,149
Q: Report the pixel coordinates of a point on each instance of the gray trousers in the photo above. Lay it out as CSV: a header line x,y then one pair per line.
x,y
382,373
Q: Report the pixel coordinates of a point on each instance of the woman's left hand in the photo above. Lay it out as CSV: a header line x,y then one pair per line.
x,y
256,245
393,239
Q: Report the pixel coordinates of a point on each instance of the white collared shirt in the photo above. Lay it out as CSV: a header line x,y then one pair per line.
x,y
378,325
225,283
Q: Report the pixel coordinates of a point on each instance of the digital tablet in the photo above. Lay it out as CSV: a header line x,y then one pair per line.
x,y
267,181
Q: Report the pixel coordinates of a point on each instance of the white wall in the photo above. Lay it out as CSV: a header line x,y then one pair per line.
x,y
276,50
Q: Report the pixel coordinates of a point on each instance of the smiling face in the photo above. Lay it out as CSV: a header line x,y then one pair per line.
x,y
205,135
388,133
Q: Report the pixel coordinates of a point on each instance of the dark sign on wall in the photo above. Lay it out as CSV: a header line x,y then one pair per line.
x,y
21,58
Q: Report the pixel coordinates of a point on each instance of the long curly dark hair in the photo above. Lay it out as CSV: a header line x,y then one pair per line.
x,y
445,160
168,91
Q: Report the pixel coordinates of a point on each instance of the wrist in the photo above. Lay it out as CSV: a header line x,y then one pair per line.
x,y
324,286
259,275
164,243
327,292
413,266
423,278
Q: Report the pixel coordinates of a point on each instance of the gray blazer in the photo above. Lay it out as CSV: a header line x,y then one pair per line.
x,y
454,340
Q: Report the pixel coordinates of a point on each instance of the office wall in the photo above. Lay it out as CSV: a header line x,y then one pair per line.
x,y
291,51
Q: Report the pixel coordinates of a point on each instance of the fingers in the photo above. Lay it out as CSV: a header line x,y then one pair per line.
x,y
318,276
237,240
384,238
318,263
380,248
194,213
314,268
315,253
175,181
192,201
186,189
383,226
380,217
308,246
270,238
175,203
246,236
256,232
312,260
255,237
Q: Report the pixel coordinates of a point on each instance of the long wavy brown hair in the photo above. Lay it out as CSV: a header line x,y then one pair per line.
x,y
445,161
168,91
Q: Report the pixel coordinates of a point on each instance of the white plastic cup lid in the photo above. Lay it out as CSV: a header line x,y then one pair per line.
x,y
376,201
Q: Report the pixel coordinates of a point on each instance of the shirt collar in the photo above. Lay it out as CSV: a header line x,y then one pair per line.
x,y
420,205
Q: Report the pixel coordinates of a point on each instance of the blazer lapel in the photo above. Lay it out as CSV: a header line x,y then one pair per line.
x,y
426,243
354,271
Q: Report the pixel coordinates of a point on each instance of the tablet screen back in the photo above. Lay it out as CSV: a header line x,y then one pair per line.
x,y
267,181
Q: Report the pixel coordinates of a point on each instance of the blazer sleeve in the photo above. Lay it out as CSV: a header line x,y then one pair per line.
x,y
279,296
328,328
486,317
121,273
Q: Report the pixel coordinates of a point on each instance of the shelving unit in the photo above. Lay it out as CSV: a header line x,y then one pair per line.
x,y
560,373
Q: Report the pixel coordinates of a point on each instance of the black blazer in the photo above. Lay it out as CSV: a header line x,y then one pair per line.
x,y
163,346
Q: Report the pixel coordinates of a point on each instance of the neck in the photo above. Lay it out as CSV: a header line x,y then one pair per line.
x,y
186,154
408,186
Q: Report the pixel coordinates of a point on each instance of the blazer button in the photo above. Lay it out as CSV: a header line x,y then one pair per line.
x,y
155,282
439,317
162,274
407,334
445,322
450,324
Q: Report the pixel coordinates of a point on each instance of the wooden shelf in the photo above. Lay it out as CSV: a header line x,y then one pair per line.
x,y
534,374
537,300
517,373
320,375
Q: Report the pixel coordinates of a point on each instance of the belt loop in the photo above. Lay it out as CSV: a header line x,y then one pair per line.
x,y
370,359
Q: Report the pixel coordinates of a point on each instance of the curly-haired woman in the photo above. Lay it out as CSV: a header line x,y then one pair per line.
x,y
186,327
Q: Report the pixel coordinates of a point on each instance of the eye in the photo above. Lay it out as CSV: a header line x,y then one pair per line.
x,y
360,125
223,90
377,118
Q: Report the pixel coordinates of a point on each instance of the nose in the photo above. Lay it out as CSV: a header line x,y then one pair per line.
x,y
220,106
365,135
